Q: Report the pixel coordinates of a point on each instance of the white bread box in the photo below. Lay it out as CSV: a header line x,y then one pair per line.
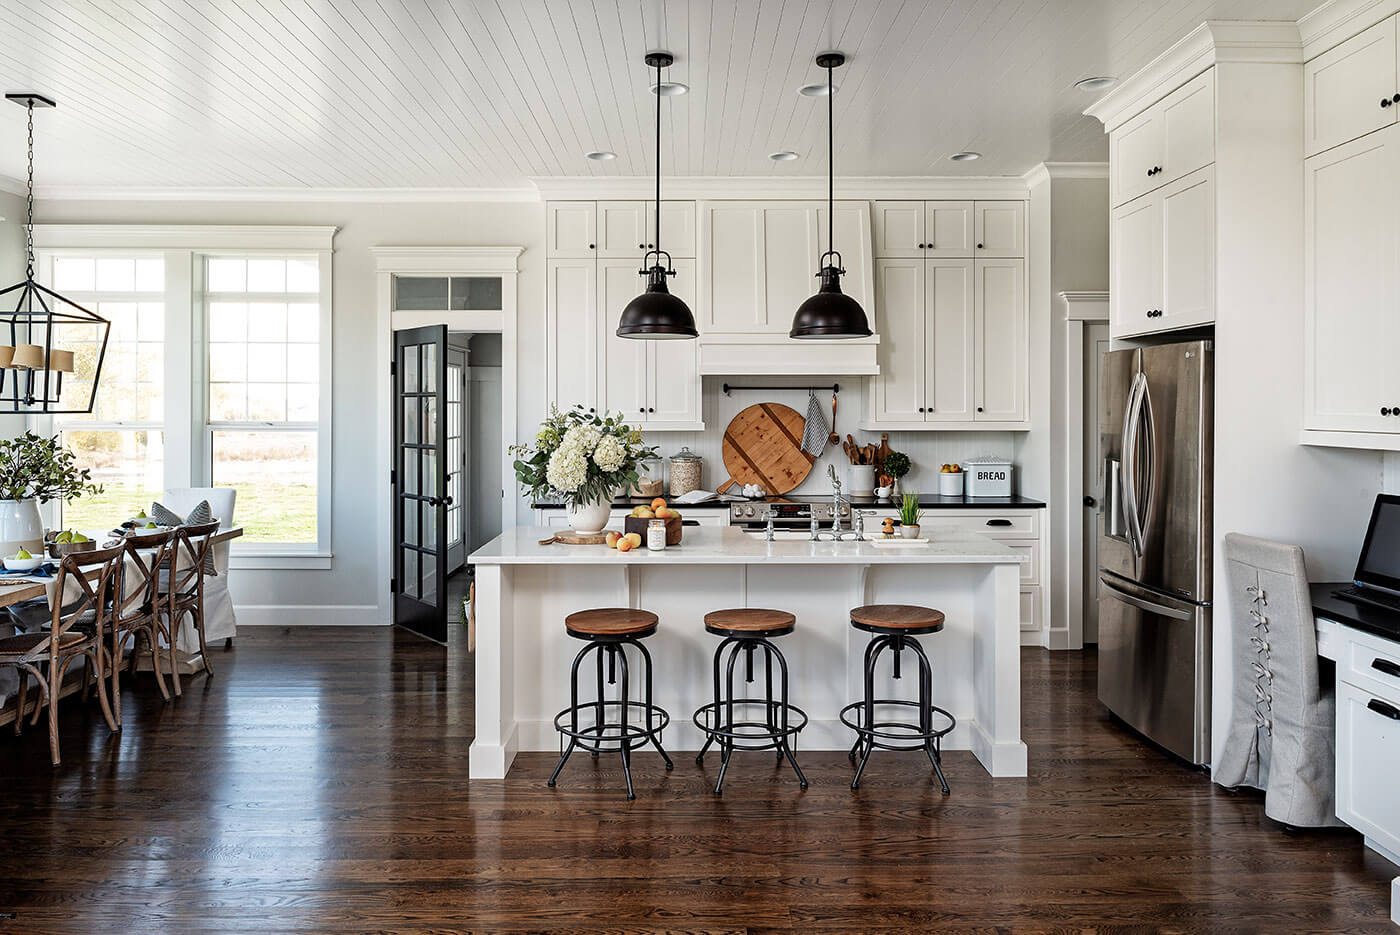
x,y
987,477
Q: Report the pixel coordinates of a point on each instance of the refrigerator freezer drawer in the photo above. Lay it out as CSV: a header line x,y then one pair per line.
x,y
1154,666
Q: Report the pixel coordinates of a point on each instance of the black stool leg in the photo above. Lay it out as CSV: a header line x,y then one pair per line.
x,y
700,757
782,729
878,644
865,664
600,710
926,712
573,717
727,744
651,732
620,657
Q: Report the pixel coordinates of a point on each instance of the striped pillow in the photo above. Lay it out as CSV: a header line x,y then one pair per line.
x,y
201,514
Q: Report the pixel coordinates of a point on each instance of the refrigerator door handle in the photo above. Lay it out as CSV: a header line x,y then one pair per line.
x,y
1149,430
1131,422
1141,603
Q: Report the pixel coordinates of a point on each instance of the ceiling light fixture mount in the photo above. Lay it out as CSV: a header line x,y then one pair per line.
x,y
830,314
669,88
656,314
966,155
600,155
1096,83
31,366
783,155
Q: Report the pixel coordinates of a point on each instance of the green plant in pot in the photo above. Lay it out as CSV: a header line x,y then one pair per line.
x,y
895,466
35,470
909,515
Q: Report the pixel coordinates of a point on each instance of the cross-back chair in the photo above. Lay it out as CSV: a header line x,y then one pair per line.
x,y
136,616
182,587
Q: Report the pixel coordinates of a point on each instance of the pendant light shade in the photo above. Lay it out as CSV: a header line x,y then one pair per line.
x,y
830,314
656,314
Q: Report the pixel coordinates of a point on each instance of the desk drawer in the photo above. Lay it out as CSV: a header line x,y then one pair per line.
x,y
1368,760
1007,524
1370,663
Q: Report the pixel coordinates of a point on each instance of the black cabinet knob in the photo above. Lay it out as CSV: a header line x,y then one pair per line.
x,y
593,246
1149,173
1090,502
921,408
1386,102
643,410
1385,410
981,247
591,409
651,246
923,246
651,410
979,408
641,246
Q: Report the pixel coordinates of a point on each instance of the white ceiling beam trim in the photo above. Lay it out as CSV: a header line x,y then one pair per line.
x,y
788,188
288,195
1338,20
185,236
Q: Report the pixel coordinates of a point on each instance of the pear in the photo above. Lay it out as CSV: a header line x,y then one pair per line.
x,y
79,537
23,554
141,515
64,536
150,526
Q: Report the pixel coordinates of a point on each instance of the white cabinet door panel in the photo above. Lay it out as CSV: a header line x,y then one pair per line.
x,y
899,389
677,227
624,368
1352,254
948,340
571,229
1000,351
1343,89
1188,235
622,229
949,227
733,248
1136,148
899,229
1188,128
571,330
1368,760
852,229
1135,274
790,251
999,228
673,367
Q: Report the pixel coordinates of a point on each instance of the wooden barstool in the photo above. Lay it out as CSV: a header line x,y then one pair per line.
x,y
895,626
746,630
608,632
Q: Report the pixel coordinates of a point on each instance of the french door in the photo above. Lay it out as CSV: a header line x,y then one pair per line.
x,y
419,479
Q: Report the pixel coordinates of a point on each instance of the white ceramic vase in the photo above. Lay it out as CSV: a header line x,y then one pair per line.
x,y
587,518
21,527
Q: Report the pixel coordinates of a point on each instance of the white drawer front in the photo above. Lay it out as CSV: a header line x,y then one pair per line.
x,y
1370,663
1030,568
1022,524
1368,760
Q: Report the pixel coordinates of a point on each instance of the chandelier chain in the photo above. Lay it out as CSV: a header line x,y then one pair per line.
x,y
29,205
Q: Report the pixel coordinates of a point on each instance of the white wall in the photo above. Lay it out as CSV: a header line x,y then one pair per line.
x,y
484,443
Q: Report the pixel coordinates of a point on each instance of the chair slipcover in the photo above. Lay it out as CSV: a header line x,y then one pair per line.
x,y
219,620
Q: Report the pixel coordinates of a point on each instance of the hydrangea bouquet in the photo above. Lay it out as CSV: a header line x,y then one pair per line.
x,y
580,457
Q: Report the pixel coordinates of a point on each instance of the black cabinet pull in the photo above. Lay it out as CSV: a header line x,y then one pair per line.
x,y
981,247
979,408
651,409
998,522
1386,102
1385,410
690,522
923,246
593,246
1383,709
921,408
641,246
1395,410
1395,99
1386,666
591,409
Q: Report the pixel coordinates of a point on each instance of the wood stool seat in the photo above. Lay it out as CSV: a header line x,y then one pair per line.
x,y
749,622
610,622
909,619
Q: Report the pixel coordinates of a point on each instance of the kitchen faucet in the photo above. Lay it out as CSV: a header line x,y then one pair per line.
x,y
836,501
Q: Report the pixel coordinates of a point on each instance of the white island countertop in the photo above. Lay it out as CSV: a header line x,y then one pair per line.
x,y
726,545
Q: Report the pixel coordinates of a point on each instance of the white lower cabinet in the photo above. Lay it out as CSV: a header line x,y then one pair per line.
x,y
1368,739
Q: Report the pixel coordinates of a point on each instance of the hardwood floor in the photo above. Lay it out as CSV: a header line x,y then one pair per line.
x,y
318,783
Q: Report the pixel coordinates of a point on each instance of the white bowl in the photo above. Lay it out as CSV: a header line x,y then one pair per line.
x,y
23,564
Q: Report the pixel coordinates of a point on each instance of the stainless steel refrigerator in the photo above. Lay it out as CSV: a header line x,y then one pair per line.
x,y
1155,542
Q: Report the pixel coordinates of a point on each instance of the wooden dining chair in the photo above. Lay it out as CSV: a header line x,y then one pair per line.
x,y
76,625
136,615
182,587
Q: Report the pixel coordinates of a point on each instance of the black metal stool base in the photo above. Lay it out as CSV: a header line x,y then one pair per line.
x,y
619,726
925,734
765,723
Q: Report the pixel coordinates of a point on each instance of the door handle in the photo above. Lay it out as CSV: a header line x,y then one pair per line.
x,y
1383,709
1129,467
1090,502
1386,666
447,501
1140,603
998,522
1149,427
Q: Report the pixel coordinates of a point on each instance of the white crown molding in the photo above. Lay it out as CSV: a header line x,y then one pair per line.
x,y
1085,306
1212,43
287,195
184,236
447,259
1048,171
1338,20
799,188
13,186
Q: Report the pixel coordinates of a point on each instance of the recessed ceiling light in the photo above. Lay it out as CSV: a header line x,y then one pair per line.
x,y
816,89
783,155
670,88
1096,84
600,155
966,156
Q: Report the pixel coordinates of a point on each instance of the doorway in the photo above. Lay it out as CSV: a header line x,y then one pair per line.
x,y
1096,345
474,440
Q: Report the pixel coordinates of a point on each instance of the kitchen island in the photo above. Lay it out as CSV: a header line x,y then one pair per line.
x,y
524,590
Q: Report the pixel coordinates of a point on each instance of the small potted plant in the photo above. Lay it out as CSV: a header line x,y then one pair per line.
x,y
909,514
35,470
897,464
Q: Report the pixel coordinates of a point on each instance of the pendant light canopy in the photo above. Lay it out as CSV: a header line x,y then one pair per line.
x,y
657,315
32,365
830,314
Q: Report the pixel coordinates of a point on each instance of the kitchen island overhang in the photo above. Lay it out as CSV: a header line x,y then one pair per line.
x,y
524,590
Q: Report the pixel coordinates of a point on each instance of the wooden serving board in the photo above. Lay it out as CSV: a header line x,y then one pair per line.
x,y
763,445
569,537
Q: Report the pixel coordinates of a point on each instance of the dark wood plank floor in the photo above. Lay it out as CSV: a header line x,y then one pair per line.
x,y
318,783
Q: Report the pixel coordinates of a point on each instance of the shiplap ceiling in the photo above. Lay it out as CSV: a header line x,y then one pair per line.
x,y
487,93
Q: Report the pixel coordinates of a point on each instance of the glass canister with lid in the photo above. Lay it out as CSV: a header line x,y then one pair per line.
x,y
685,471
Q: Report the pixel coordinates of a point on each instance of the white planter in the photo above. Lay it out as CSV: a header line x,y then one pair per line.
x,y
21,527
909,532
862,480
587,518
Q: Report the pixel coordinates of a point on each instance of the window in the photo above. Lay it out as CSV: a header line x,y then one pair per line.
x,y
257,416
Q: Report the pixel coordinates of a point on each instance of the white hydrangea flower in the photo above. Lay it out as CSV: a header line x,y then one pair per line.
x,y
568,468
583,436
610,453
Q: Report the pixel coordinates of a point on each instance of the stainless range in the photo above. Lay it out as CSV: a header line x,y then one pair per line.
x,y
787,512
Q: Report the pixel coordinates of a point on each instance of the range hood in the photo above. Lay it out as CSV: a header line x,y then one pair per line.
x,y
754,355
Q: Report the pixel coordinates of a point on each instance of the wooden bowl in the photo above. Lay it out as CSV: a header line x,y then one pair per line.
x,y
59,549
639,526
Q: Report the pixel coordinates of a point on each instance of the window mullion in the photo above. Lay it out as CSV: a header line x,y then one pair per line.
x,y
184,411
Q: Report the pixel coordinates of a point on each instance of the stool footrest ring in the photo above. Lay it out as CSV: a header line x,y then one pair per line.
x,y
895,735
750,734
608,737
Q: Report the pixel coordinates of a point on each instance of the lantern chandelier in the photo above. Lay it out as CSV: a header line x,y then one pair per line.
x,y
32,365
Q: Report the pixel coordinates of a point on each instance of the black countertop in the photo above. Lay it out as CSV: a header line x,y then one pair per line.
x,y
926,501
1376,620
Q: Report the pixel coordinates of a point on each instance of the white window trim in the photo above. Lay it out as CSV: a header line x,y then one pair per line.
x,y
188,432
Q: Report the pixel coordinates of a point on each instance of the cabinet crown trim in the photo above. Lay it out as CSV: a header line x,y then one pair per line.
x,y
1335,22
1212,43
804,188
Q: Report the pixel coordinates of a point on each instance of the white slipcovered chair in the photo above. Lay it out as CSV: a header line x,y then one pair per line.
x,y
219,620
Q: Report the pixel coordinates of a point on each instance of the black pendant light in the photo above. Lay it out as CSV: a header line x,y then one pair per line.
x,y
830,314
32,364
656,315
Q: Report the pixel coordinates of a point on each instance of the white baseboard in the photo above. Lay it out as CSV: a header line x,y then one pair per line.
x,y
308,615
1032,638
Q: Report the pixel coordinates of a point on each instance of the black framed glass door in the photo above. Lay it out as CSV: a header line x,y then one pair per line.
x,y
419,479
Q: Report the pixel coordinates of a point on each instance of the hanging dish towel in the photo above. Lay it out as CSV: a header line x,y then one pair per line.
x,y
815,432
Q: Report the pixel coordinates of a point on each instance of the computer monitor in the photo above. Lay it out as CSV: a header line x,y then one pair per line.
x,y
1379,564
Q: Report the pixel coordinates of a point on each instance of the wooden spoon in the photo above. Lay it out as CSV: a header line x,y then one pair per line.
x,y
833,438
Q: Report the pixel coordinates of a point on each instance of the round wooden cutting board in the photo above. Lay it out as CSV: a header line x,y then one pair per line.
x,y
763,445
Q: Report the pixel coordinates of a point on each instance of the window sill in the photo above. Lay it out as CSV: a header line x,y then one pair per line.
x,y
276,561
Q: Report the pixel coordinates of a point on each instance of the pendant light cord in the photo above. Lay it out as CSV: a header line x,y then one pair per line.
x,y
29,204
657,232
830,162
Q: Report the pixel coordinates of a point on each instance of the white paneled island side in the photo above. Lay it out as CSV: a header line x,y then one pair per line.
x,y
524,590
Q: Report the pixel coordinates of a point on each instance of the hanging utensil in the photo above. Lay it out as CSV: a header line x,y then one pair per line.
x,y
833,438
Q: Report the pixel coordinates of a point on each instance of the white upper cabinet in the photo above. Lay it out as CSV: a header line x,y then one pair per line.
x,y
999,345
899,229
899,389
948,228
571,332
852,230
653,383
677,228
1352,89
1135,267
571,229
1171,139
1188,261
999,229
673,367
949,346
1352,273
622,230
734,297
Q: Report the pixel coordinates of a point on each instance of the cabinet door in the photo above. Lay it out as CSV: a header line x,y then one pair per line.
x,y
1368,759
1352,253
1188,128
677,227
899,229
949,322
673,367
949,227
731,247
852,229
1343,89
790,251
571,332
1135,149
1135,271
571,229
1188,236
899,388
623,374
622,230
999,228
999,351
